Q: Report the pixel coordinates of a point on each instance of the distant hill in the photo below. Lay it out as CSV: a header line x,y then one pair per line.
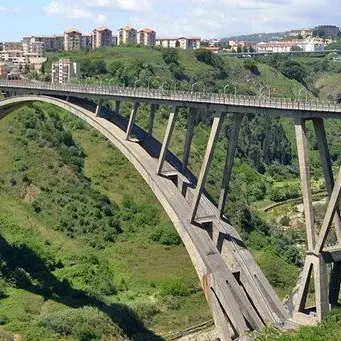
x,y
257,37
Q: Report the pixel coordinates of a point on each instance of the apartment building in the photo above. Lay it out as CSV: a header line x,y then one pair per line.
x,y
33,48
101,37
86,41
72,40
52,43
63,71
126,35
185,43
4,70
147,37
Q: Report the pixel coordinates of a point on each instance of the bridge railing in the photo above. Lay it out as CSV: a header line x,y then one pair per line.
x,y
175,95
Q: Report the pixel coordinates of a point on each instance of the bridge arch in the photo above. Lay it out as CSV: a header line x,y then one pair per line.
x,y
237,291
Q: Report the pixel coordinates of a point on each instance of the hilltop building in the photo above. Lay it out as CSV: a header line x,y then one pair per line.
x,y
72,40
185,43
147,37
63,71
101,37
126,35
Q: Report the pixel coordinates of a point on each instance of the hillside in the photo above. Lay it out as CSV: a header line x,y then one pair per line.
x,y
86,250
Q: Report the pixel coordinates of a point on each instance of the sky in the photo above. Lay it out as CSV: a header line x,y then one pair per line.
x,y
203,18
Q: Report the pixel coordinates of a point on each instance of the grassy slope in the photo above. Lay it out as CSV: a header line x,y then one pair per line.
x,y
142,266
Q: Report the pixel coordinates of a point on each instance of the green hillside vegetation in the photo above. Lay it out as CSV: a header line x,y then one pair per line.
x,y
80,228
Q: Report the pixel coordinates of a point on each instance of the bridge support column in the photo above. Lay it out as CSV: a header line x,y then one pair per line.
x,y
117,107
151,119
335,279
303,159
325,292
98,109
216,126
231,150
189,136
132,120
168,135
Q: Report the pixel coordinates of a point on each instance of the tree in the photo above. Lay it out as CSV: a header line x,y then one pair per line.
x,y
170,55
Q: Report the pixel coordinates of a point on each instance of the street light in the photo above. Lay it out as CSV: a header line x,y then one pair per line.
x,y
135,83
163,83
192,88
299,93
260,91
112,79
226,86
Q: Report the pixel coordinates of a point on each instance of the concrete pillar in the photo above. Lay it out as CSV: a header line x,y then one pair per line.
x,y
327,168
117,107
216,126
331,208
303,158
151,119
304,286
334,286
132,119
189,136
169,131
98,109
321,287
231,150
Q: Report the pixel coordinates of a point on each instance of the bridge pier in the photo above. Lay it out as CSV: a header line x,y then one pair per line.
x,y
151,119
117,107
231,150
326,290
168,135
132,119
189,136
212,141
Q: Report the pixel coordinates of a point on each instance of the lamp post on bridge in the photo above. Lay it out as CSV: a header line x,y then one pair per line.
x,y
162,85
260,90
192,88
226,86
299,93
135,83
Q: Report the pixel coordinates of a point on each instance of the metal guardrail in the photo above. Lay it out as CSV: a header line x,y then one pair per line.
x,y
177,96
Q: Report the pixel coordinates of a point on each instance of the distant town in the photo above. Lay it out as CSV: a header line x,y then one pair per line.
x,y
29,54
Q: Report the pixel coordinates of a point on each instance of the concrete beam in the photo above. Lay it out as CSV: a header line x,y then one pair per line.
x,y
189,136
331,208
216,126
303,159
132,120
151,119
231,150
327,169
168,135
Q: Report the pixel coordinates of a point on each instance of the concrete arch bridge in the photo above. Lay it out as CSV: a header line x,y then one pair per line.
x,y
240,297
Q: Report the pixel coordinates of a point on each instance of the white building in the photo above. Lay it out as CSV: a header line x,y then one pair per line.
x,y
185,43
126,35
63,71
147,37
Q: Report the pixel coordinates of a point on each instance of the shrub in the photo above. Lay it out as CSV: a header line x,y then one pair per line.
x,y
166,235
175,287
3,320
84,323
251,65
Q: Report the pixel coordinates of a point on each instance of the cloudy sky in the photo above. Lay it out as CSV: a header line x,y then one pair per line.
x,y
205,18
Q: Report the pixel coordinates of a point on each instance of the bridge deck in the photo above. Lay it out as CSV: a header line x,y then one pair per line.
x,y
213,101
